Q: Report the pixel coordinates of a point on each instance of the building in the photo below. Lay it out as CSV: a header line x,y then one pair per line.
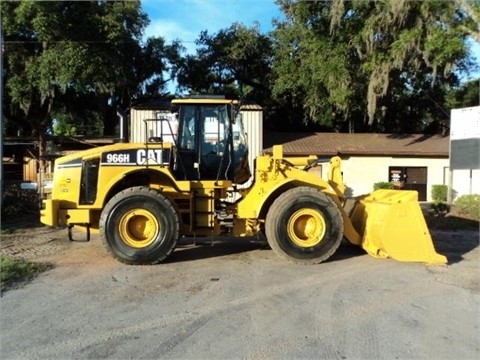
x,y
409,161
21,158
465,151
414,162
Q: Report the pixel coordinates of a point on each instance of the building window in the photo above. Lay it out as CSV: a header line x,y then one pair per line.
x,y
409,178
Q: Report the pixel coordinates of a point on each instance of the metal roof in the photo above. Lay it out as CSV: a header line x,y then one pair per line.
x,y
206,100
330,144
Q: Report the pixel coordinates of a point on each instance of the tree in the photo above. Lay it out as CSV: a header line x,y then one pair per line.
x,y
235,61
52,47
470,9
466,95
76,61
313,69
356,61
157,64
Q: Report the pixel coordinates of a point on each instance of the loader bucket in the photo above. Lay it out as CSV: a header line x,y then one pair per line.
x,y
392,225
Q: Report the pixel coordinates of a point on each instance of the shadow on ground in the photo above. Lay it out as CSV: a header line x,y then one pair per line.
x,y
450,222
204,248
29,220
453,235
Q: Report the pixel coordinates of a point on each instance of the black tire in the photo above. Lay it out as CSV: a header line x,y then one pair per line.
x,y
140,225
304,225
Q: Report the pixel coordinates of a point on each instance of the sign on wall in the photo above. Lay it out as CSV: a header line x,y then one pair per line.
x,y
465,138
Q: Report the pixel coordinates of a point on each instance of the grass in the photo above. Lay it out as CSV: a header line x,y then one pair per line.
x,y
14,273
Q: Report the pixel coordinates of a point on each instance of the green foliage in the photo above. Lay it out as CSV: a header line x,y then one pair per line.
x,y
382,66
383,185
13,207
235,61
13,271
68,124
439,193
19,204
324,81
440,208
468,205
391,60
470,10
466,95
59,54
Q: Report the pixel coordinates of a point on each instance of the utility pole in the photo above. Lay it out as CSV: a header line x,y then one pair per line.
x,y
1,111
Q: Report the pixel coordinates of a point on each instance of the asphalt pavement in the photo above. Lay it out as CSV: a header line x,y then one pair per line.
x,y
238,300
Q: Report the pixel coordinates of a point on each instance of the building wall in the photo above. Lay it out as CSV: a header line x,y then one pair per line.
x,y
465,182
465,151
30,169
143,125
253,126
361,172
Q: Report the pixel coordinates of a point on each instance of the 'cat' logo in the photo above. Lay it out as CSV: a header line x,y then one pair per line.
x,y
149,155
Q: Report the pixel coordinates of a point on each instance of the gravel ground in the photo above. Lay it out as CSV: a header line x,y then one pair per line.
x,y
238,300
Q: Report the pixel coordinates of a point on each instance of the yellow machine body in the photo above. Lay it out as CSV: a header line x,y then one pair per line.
x,y
138,198
392,225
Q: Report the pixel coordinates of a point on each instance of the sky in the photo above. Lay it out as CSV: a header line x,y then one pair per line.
x,y
185,19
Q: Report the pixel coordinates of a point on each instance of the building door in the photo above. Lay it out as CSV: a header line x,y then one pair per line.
x,y
410,178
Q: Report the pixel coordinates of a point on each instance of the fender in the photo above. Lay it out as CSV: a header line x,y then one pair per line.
x,y
273,174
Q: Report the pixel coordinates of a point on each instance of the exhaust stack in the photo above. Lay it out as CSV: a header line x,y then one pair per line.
x,y
123,125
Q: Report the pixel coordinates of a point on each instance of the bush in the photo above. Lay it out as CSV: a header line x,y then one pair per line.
x,y
13,206
440,208
468,205
17,202
383,185
439,193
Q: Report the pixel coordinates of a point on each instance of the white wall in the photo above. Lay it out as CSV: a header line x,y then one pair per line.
x,y
465,182
140,130
253,126
360,173
464,151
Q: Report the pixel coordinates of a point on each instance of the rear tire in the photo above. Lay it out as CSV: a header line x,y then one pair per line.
x,y
140,225
304,225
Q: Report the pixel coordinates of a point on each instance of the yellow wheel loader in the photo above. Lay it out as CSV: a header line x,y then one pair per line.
x,y
144,197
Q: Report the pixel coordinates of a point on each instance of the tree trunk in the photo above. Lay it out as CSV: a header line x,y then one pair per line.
x,y
41,164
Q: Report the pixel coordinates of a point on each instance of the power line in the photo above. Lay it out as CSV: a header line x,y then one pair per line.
x,y
86,41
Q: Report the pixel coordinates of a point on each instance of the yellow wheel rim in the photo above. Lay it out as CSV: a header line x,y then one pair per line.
x,y
138,228
306,228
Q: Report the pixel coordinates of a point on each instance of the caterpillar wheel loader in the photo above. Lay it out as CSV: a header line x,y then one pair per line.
x,y
143,197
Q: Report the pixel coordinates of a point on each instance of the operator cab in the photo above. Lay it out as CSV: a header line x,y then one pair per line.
x,y
211,141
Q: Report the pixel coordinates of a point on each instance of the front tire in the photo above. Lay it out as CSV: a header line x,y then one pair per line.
x,y
304,225
140,225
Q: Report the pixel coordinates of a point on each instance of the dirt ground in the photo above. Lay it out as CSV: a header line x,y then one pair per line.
x,y
238,300
455,237
28,239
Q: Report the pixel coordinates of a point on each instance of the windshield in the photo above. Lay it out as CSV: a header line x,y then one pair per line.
x,y
209,140
204,127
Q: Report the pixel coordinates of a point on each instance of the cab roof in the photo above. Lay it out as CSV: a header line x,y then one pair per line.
x,y
204,100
